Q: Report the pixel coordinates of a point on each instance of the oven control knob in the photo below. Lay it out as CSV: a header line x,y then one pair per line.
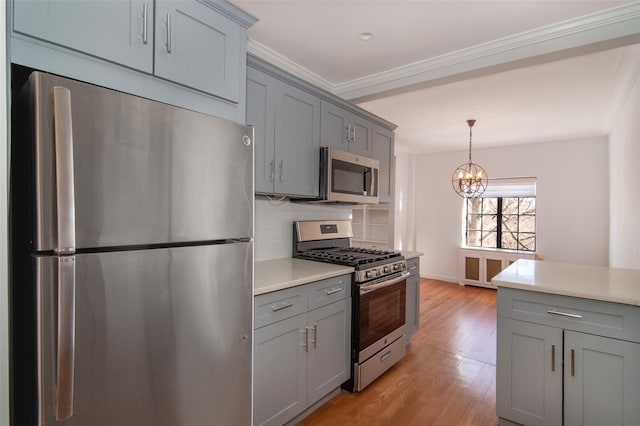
x,y
396,267
386,269
368,274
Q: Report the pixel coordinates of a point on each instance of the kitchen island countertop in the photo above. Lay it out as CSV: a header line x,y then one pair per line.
x,y
614,285
279,274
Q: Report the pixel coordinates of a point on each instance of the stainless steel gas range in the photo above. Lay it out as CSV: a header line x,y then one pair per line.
x,y
378,295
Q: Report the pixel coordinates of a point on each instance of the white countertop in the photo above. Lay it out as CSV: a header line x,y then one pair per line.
x,y
278,274
411,254
589,282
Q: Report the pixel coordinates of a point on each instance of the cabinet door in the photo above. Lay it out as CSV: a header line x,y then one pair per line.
x,y
198,47
111,30
529,373
261,115
413,304
297,142
329,347
361,136
383,152
601,380
335,127
280,371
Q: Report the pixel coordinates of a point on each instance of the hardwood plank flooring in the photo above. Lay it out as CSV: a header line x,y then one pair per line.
x,y
448,375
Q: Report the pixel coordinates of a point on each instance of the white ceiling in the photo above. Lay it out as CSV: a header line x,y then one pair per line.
x,y
528,71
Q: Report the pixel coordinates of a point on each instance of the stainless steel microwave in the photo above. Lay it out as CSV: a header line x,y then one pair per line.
x,y
346,177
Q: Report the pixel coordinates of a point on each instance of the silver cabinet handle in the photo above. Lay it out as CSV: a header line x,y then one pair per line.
x,y
144,23
385,356
353,132
168,33
315,336
66,336
272,170
348,133
564,314
333,291
281,170
306,339
281,307
65,193
553,357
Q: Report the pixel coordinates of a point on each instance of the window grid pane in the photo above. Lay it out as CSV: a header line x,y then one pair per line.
x,y
516,219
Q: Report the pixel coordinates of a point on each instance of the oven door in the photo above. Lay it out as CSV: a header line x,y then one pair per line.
x,y
382,314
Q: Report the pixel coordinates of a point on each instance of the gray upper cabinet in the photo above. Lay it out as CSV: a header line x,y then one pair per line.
x,y
383,152
198,47
286,120
118,31
345,130
197,44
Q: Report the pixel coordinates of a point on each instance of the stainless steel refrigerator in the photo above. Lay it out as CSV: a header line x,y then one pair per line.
x,y
132,260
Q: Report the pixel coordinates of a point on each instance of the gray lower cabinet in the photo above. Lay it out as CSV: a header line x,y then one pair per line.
x,y
345,130
556,348
382,150
191,43
302,342
286,123
413,297
529,373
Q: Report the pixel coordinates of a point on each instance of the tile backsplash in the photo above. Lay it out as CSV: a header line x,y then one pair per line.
x,y
274,224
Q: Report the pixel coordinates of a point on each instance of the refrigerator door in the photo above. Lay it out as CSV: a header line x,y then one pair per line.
x,y
143,172
161,337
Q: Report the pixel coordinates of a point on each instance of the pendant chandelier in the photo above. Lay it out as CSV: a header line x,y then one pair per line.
x,y
469,180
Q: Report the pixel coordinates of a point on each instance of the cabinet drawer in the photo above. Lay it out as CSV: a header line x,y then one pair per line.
x,y
413,266
328,291
588,316
279,305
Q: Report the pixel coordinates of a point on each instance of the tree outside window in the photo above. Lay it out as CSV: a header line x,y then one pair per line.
x,y
502,222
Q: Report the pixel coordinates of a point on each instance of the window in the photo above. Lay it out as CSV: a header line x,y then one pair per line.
x,y
502,222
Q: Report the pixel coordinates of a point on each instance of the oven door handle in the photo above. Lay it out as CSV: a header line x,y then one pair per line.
x,y
371,287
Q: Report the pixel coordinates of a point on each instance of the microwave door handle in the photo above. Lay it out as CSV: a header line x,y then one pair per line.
x,y
373,181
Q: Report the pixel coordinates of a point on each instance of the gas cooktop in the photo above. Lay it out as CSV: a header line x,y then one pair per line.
x,y
350,256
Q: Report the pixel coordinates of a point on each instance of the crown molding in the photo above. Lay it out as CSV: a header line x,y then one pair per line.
x,y
605,29
274,58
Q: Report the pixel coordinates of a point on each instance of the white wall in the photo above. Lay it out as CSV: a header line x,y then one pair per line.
x,y
274,224
624,153
572,201
404,215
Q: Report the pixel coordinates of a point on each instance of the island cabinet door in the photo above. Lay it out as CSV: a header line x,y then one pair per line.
x,y
601,380
529,373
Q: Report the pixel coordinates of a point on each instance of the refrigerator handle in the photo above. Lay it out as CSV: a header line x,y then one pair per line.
x,y
65,350
63,131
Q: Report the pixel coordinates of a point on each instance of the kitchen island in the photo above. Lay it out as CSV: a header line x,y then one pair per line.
x,y
568,344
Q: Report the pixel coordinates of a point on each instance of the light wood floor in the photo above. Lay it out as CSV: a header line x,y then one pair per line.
x,y
448,375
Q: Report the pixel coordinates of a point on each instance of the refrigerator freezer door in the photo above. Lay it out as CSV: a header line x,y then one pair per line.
x,y
162,337
144,172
